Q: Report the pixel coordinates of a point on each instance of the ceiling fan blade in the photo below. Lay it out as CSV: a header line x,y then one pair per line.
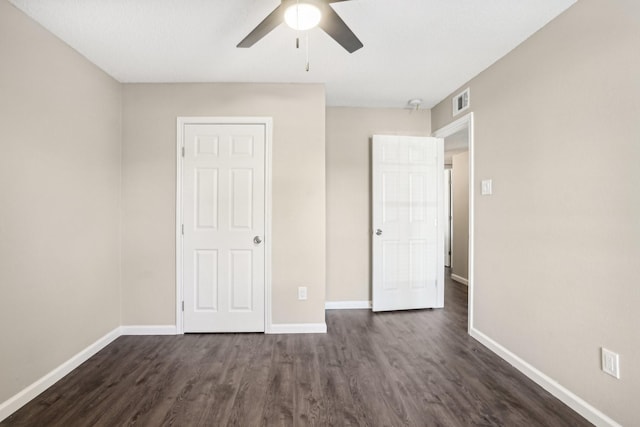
x,y
274,19
333,25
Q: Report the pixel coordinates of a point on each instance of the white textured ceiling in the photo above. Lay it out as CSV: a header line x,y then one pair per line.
x,y
412,48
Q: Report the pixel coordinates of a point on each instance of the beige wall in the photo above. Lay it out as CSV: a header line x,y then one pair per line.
x,y
349,188
59,202
460,202
149,175
557,244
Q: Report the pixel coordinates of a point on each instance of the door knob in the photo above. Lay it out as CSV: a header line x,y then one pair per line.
x,y
378,232
257,240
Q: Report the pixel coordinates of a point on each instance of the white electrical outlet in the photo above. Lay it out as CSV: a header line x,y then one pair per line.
x,y
302,292
611,363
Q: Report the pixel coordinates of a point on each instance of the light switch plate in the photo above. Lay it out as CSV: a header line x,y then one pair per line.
x,y
486,187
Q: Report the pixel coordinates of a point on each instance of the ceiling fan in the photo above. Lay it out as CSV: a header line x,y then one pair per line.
x,y
304,15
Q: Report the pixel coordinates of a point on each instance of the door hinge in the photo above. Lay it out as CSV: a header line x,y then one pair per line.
x,y
182,229
182,305
182,151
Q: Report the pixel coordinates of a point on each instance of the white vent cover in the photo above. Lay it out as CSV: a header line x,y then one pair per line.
x,y
461,101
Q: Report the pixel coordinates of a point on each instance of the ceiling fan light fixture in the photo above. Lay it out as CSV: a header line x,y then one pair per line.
x,y
302,16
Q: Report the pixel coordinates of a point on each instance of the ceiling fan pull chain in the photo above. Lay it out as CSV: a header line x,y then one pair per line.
x,y
307,43
298,24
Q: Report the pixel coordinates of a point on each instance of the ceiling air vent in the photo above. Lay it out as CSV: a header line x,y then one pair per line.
x,y
461,101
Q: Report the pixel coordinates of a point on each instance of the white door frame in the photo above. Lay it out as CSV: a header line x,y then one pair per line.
x,y
268,124
465,122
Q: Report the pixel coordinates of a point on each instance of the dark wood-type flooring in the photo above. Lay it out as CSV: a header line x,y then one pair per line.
x,y
416,368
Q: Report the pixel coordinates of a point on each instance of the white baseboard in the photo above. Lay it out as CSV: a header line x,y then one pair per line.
x,y
460,279
583,408
297,328
148,330
23,397
346,305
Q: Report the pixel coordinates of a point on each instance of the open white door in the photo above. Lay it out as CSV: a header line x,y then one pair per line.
x,y
224,227
408,222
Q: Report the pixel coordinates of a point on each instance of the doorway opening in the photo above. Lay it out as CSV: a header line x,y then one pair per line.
x,y
458,137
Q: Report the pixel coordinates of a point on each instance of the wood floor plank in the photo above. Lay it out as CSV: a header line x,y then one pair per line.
x,y
278,410
337,397
309,409
414,368
251,399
